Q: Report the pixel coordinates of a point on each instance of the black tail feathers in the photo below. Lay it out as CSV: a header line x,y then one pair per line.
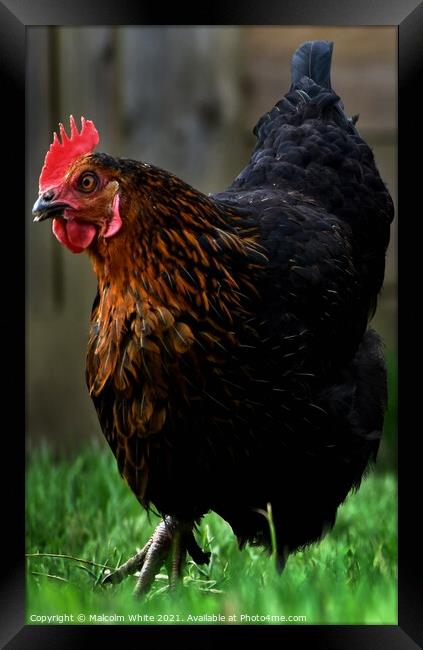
x,y
313,60
311,93
310,71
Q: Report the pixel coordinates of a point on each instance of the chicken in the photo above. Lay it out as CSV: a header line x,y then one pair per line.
x,y
230,360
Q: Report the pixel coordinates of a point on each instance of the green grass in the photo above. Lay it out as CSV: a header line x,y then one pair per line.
x,y
82,508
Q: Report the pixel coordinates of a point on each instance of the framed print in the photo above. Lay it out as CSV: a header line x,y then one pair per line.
x,y
279,139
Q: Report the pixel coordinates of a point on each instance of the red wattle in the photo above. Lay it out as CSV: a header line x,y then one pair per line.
x,y
73,234
80,234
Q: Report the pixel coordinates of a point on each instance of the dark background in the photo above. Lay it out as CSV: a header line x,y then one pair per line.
x,y
185,99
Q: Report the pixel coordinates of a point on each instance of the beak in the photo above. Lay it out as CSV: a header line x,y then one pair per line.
x,y
45,207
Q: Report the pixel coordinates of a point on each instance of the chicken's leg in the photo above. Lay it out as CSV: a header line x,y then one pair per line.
x,y
172,539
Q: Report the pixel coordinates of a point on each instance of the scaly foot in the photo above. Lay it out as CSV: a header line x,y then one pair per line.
x,y
172,539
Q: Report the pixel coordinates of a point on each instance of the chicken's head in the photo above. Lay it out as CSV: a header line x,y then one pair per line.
x,y
81,196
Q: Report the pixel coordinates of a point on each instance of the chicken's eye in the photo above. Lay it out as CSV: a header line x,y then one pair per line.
x,y
88,182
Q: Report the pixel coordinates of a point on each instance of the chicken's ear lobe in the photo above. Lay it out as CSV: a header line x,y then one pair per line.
x,y
115,224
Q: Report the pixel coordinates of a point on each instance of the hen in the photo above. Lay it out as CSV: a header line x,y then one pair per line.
x,y
229,358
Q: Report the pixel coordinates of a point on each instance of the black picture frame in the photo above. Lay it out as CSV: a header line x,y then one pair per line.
x,y
15,17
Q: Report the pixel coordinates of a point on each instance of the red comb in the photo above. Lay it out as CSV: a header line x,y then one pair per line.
x,y
62,154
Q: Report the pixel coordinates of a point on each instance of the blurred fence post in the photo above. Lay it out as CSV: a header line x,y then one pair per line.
x,y
182,101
